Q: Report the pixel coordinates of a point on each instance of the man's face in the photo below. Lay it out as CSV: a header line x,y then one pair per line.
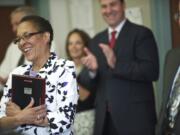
x,y
113,11
15,19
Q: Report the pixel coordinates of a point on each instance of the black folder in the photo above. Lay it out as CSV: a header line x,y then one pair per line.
x,y
25,87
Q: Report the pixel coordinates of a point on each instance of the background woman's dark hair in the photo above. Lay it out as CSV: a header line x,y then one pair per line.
x,y
84,36
40,23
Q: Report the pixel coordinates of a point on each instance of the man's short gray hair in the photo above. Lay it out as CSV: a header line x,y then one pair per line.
x,y
26,10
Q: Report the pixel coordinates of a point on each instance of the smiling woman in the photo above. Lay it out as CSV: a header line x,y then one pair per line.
x,y
34,36
37,35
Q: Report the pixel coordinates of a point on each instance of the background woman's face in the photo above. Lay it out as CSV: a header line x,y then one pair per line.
x,y
31,45
75,46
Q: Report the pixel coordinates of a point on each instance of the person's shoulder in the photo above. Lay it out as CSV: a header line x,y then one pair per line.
x,y
20,69
66,64
17,71
101,34
172,60
175,52
137,27
66,67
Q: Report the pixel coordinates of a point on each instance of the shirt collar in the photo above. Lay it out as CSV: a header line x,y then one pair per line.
x,y
47,66
117,29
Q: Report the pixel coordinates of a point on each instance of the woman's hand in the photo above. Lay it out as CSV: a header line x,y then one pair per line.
x,y
12,109
31,115
42,121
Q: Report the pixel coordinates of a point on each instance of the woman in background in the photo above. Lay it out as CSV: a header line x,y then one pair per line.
x,y
84,120
34,37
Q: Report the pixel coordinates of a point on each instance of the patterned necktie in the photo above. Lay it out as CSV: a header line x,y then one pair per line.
x,y
174,102
113,39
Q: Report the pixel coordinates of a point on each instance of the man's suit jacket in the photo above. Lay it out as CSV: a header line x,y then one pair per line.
x,y
171,65
127,89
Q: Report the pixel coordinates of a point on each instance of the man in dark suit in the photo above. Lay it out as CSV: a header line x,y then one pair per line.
x,y
123,65
169,118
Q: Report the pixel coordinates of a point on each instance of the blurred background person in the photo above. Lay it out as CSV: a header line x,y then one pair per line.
x,y
13,56
169,118
76,41
34,37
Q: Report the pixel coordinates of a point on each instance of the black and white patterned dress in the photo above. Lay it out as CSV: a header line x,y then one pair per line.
x,y
61,96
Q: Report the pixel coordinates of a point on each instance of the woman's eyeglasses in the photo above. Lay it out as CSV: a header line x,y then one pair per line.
x,y
25,37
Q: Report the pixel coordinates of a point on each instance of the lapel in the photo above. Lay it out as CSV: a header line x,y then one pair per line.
x,y
47,69
48,66
105,37
122,37
102,38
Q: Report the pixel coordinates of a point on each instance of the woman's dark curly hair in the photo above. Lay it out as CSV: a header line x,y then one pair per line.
x,y
41,24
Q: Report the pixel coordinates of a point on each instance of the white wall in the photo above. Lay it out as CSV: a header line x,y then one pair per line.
x,y
66,15
59,17
144,6
85,14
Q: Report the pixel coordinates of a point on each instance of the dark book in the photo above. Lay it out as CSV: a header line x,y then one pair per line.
x,y
25,87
